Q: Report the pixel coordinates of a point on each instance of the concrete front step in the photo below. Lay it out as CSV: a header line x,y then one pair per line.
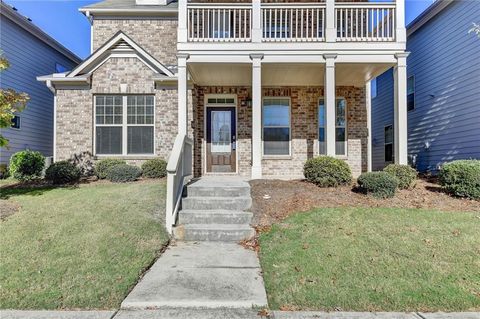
x,y
216,203
202,190
214,217
213,232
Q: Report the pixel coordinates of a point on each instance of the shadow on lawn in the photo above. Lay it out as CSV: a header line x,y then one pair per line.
x,y
31,189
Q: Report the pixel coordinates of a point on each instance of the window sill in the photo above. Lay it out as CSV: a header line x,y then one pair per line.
x,y
277,157
128,157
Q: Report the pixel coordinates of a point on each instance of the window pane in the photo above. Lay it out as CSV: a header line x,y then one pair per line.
x,y
100,110
340,112
321,114
388,134
411,85
410,102
109,100
149,119
389,153
100,100
109,110
140,140
100,119
276,113
340,141
109,140
149,100
108,119
276,141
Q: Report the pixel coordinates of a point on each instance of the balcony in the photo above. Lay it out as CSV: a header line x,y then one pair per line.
x,y
257,22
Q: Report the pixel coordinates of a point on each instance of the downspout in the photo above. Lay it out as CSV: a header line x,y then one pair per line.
x,y
52,89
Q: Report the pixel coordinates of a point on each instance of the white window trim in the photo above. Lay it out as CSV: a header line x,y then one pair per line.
x,y
385,143
344,156
124,126
283,156
414,95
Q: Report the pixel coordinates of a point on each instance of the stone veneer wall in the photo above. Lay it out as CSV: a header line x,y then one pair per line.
x,y
304,128
75,120
156,36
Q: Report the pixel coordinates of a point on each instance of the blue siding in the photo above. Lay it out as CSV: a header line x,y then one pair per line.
x,y
445,62
29,57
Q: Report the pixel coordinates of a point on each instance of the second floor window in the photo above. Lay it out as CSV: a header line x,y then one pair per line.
x,y
411,93
124,125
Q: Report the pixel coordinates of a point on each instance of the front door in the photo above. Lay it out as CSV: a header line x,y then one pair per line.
x,y
221,140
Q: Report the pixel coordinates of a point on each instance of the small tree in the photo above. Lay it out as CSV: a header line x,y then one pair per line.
x,y
10,103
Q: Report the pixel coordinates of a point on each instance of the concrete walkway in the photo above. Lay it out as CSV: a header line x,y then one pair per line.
x,y
201,275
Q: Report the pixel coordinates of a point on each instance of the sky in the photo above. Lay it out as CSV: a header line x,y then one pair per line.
x,y
62,20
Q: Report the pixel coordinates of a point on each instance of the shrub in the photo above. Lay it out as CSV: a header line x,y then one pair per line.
x,y
27,165
405,174
84,161
461,178
379,184
122,173
325,171
4,173
154,168
102,166
62,172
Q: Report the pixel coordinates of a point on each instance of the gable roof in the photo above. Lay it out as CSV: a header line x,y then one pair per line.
x,y
120,43
12,14
428,14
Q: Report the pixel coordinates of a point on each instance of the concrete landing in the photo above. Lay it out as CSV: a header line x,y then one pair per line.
x,y
203,275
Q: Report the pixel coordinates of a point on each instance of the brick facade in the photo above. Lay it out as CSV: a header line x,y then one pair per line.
x,y
75,118
304,129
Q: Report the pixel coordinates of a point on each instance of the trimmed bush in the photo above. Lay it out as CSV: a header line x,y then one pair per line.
x,y
154,168
62,172
405,174
102,166
4,173
378,184
27,165
326,171
122,173
461,178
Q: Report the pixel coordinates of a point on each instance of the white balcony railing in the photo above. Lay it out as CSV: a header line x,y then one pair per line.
x,y
365,21
293,22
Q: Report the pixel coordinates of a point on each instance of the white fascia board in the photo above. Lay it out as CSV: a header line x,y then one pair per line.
x,y
142,12
53,78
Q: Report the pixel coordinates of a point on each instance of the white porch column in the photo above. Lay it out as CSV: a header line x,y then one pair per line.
x,y
401,33
182,94
329,99
256,115
330,30
182,31
256,21
400,109
368,104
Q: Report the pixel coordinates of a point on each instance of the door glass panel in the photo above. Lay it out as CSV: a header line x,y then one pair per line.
x,y
221,132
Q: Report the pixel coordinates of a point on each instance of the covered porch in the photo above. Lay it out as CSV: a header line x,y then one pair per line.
x,y
263,116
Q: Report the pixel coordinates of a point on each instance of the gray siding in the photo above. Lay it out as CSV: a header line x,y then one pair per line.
x,y
445,62
29,57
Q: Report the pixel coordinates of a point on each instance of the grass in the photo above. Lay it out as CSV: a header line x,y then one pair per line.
x,y
373,259
79,247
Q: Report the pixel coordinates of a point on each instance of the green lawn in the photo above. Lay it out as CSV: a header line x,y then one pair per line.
x,y
358,259
79,247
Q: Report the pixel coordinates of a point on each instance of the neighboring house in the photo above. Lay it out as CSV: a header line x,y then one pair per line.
x,y
251,89
443,90
30,52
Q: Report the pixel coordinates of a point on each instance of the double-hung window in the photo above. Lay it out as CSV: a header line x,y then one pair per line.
x,y
276,126
340,127
124,125
388,143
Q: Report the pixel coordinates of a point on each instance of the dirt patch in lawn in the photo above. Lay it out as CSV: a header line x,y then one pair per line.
x,y
287,197
7,208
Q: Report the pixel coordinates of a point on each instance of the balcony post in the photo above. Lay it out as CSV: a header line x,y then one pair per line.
x,y
330,97
400,109
330,30
256,115
182,93
401,33
256,21
182,31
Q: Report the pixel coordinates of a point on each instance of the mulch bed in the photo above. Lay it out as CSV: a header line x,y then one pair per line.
x,y
287,197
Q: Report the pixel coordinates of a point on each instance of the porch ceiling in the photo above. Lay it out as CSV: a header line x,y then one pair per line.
x,y
283,74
